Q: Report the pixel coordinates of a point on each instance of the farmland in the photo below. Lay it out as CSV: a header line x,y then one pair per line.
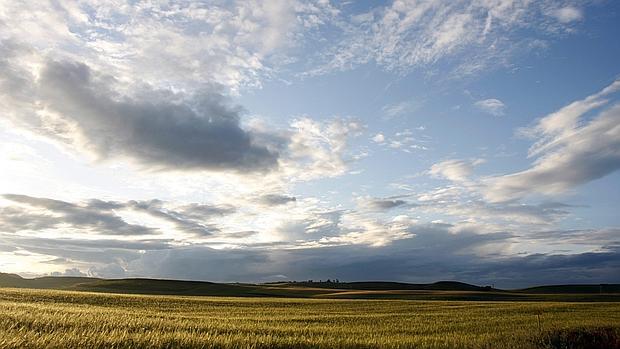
x,y
67,319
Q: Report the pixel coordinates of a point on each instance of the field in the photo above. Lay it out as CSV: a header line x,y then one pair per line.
x,y
67,319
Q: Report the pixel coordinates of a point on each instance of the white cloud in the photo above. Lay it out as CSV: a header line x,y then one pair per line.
x,y
570,150
568,14
468,34
318,149
492,106
404,140
179,44
455,170
378,138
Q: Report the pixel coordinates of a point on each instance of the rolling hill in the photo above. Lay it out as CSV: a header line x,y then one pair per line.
x,y
442,290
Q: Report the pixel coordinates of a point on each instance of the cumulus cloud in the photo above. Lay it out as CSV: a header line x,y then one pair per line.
x,y
378,138
161,129
492,106
570,150
74,104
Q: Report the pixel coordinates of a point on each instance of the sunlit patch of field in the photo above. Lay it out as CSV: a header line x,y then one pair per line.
x,y
63,319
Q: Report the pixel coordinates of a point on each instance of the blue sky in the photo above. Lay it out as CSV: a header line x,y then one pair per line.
x,y
473,140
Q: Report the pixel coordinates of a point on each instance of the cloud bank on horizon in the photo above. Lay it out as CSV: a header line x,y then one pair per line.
x,y
473,140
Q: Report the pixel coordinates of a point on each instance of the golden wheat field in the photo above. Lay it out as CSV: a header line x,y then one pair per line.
x,y
62,319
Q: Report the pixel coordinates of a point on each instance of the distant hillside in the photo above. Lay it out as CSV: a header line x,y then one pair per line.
x,y
555,289
12,280
443,290
388,285
142,286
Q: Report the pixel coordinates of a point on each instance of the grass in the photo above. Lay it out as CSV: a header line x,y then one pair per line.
x,y
66,319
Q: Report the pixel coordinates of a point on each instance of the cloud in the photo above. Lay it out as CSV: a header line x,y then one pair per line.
x,y
606,236
404,140
161,129
318,149
203,211
380,204
497,216
434,253
179,44
191,224
492,106
378,138
462,36
42,214
570,149
200,134
567,14
100,217
455,170
318,244
276,199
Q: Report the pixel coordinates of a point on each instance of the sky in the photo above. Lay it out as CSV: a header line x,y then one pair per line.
x,y
255,141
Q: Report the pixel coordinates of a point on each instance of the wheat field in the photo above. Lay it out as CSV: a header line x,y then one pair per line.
x,y
63,319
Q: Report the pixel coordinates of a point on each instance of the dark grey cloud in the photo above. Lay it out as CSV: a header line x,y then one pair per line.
x,y
76,251
607,236
98,216
201,211
383,204
158,131
276,199
433,254
51,214
39,243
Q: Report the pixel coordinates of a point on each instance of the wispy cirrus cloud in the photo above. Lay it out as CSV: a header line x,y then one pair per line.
x,y
467,35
